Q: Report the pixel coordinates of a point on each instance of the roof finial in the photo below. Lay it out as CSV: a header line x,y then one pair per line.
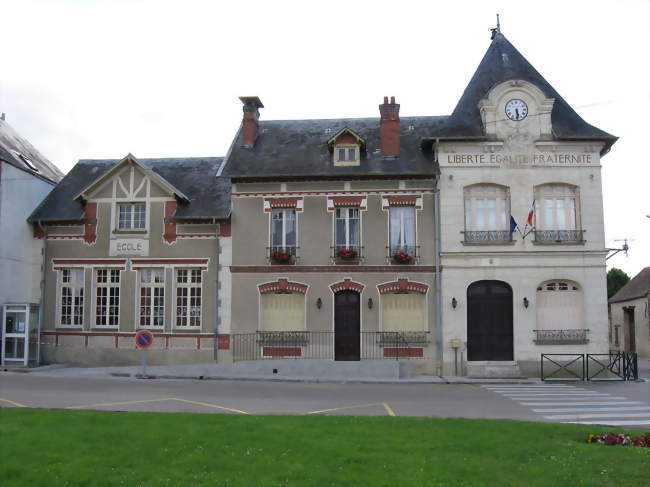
x,y
496,30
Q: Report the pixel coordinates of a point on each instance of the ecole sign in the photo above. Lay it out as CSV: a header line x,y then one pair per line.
x,y
129,246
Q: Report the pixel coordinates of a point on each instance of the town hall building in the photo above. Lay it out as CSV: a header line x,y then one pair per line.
x,y
466,244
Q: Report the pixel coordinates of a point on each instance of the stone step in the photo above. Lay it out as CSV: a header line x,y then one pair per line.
x,y
494,370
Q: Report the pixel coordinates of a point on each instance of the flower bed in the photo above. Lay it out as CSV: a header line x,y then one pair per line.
x,y
620,439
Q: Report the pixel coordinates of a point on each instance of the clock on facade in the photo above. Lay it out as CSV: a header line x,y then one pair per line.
x,y
516,109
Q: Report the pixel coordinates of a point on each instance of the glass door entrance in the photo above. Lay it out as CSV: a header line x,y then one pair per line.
x,y
15,334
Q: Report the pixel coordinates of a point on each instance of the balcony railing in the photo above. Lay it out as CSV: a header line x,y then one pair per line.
x,y
347,253
403,254
561,337
320,345
286,254
487,236
559,236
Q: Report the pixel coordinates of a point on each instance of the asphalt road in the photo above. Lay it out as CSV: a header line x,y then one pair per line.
x,y
622,404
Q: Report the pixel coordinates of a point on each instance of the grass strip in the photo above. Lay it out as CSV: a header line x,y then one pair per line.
x,y
95,448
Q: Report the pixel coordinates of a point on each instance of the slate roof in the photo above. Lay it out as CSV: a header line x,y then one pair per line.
x,y
638,287
298,149
194,176
503,62
14,149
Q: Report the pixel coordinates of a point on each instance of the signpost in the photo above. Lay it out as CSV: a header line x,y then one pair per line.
x,y
143,341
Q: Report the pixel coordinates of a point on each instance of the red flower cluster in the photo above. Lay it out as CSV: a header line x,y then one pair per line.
x,y
347,254
620,439
402,257
280,256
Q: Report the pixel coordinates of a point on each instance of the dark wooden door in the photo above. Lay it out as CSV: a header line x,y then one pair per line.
x,y
628,314
489,321
347,326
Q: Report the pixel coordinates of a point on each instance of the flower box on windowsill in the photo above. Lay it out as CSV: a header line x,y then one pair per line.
x,y
402,258
279,257
347,254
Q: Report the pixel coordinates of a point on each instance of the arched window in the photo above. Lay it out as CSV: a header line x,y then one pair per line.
x,y
557,213
560,306
487,212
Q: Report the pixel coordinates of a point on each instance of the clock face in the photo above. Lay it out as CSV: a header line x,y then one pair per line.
x,y
516,109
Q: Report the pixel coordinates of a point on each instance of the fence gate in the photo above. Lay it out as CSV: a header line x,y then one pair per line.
x,y
611,366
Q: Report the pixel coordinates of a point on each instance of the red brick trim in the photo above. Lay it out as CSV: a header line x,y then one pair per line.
x,y
38,231
63,262
402,200
225,229
282,202
245,269
223,341
346,200
90,223
137,263
402,285
282,351
282,285
170,225
393,352
340,191
346,285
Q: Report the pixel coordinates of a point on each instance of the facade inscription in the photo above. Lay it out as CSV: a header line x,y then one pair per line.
x,y
533,159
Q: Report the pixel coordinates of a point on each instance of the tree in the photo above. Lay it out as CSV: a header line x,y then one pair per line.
x,y
616,279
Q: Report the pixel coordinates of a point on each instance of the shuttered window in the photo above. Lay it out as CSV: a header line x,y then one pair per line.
x,y
283,312
403,312
560,306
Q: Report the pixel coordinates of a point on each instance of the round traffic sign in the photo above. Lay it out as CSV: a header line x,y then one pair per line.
x,y
143,339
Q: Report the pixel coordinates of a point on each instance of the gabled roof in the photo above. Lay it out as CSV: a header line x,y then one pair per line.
x,y
502,62
638,287
130,159
207,195
299,149
18,152
346,130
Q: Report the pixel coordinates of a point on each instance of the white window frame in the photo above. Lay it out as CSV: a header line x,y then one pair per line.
x,y
112,291
284,212
131,216
403,243
183,313
479,216
155,302
351,155
77,288
553,200
346,218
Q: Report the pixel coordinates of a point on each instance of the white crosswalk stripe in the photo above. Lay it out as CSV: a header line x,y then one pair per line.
x,y
576,403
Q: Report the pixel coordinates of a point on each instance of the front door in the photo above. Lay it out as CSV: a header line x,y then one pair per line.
x,y
347,326
489,321
631,330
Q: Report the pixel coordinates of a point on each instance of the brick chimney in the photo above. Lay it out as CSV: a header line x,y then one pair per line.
x,y
250,122
389,127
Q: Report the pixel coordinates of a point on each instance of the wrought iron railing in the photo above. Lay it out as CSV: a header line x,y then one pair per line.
x,y
592,366
320,345
285,254
487,236
403,254
561,337
559,236
347,253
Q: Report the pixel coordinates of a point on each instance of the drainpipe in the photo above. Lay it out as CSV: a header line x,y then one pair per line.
x,y
41,303
216,294
437,229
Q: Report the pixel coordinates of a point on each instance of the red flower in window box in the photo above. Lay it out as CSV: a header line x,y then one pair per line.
x,y
281,256
402,257
347,254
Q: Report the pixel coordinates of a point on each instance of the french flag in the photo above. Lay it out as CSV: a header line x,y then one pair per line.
x,y
531,214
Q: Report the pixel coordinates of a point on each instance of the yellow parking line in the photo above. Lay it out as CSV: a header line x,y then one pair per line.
x,y
14,403
216,406
345,407
124,403
389,410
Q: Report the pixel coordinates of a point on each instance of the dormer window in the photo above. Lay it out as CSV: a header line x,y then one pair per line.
x,y
345,147
131,216
344,155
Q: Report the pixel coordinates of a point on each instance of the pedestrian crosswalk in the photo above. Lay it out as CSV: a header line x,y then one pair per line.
x,y
578,405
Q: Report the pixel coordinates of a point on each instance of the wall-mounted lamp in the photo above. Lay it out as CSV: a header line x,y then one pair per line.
x,y
370,303
319,303
454,303
526,302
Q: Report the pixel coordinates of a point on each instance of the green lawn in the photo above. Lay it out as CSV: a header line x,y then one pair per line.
x,y
91,448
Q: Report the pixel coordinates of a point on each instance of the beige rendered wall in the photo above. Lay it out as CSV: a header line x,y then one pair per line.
x,y
641,324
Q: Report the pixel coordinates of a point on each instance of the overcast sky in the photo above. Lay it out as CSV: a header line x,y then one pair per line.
x,y
99,79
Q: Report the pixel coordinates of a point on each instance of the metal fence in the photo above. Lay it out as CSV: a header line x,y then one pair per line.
x,y
320,345
613,366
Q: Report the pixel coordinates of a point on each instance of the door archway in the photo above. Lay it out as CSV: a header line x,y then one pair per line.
x,y
489,321
347,325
